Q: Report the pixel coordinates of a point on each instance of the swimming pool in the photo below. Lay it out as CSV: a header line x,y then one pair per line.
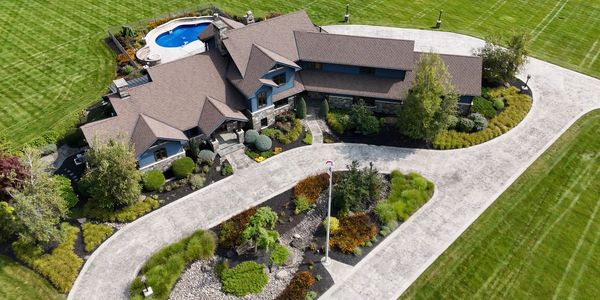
x,y
181,35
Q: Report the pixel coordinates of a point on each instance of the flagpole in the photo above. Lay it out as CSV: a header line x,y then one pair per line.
x,y
326,261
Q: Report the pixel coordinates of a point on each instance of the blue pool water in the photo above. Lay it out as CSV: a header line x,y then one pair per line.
x,y
181,35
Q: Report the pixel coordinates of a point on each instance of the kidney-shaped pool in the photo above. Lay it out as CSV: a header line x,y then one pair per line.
x,y
181,35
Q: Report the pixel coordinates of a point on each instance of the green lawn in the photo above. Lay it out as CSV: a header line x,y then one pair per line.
x,y
18,282
539,240
53,62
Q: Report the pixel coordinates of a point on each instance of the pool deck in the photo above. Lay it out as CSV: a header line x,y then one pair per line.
x,y
168,54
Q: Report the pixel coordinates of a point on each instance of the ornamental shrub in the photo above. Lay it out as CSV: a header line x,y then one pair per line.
x,y
279,255
250,136
95,234
358,189
226,169
484,107
183,167
452,121
263,143
385,212
308,139
312,187
324,109
194,148
206,155
196,182
338,121
246,278
334,224
498,104
66,191
153,180
298,287
200,246
302,204
465,125
353,232
230,231
301,108
479,121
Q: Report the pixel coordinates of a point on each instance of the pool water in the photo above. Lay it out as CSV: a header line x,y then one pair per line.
x,y
181,35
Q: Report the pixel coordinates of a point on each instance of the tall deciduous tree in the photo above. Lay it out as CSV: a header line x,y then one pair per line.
x,y
112,179
38,205
502,64
430,102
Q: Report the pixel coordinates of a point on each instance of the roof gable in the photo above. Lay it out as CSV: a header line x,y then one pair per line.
x,y
214,113
148,130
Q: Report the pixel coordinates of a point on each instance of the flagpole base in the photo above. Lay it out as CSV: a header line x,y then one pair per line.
x,y
326,261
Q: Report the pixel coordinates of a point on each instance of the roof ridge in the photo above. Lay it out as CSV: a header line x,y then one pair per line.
x,y
142,115
445,54
354,36
271,19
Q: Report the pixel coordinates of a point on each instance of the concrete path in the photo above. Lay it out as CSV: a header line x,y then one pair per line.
x,y
467,182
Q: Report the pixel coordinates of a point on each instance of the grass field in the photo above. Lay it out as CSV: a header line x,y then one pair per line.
x,y
53,62
539,240
18,282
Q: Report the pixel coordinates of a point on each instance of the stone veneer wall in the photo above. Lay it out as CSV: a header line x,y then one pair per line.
x,y
164,164
386,107
270,113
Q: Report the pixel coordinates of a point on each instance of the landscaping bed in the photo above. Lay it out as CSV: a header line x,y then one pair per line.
x,y
287,133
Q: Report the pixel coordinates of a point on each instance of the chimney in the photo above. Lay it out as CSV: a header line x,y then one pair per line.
x,y
121,87
249,17
215,16
220,34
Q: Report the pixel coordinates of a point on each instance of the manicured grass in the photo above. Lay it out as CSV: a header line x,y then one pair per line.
x,y
54,63
18,282
539,240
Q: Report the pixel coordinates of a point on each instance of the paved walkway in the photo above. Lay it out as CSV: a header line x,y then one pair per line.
x,y
467,181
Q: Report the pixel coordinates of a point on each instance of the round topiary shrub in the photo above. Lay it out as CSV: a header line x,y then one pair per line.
x,y
153,180
246,278
324,109
498,104
206,156
479,121
263,143
465,125
250,136
183,167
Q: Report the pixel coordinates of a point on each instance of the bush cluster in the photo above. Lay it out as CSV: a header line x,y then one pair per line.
x,y
286,131
164,268
66,191
358,189
226,169
126,214
338,121
153,180
246,278
250,136
354,231
60,266
334,224
95,234
517,107
196,181
298,287
484,107
302,204
263,143
230,232
183,167
479,121
311,187
407,194
279,255
206,155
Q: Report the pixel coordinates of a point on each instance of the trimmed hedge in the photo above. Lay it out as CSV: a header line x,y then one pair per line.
x,y
126,214
61,266
153,180
517,107
246,278
165,267
183,167
95,234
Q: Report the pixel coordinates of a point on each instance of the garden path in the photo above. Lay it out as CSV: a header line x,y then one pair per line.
x,y
467,182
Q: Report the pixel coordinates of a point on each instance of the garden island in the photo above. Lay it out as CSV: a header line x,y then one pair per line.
x,y
209,168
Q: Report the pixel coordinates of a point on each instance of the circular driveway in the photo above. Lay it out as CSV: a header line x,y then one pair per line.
x,y
467,180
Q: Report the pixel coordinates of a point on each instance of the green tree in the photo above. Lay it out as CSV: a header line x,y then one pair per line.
x,y
502,64
358,189
301,108
431,102
362,119
260,228
7,222
112,179
38,205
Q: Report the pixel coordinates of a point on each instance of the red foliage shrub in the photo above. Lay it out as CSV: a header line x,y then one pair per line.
x,y
298,287
311,187
353,232
230,232
12,174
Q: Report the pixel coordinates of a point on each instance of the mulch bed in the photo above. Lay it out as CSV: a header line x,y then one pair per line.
x,y
388,135
296,144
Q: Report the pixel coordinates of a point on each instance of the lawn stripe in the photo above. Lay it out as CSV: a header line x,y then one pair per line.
x,y
549,21
576,251
490,11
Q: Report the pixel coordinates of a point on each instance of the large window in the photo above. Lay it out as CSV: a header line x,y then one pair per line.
x,y
160,154
262,99
279,79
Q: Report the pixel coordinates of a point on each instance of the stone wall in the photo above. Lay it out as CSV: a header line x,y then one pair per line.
x,y
268,113
164,164
386,107
340,102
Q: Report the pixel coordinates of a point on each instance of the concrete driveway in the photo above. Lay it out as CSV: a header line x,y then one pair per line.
x,y
467,180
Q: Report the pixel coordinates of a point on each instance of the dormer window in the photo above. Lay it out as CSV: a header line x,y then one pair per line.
x,y
280,79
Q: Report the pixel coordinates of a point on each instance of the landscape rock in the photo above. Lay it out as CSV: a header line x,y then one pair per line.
x,y
283,274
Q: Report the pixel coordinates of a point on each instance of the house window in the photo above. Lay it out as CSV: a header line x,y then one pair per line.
x,y
262,99
264,122
367,70
314,65
160,154
280,79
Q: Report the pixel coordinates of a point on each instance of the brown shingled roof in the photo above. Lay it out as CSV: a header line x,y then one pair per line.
x,y
148,130
355,50
276,34
214,113
465,72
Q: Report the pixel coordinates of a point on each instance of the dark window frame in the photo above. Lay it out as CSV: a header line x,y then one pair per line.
x,y
261,99
280,79
160,154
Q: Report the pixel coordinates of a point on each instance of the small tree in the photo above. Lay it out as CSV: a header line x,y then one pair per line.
x,y
324,109
260,229
278,256
431,102
362,119
358,189
12,174
39,205
112,177
301,108
194,148
502,64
